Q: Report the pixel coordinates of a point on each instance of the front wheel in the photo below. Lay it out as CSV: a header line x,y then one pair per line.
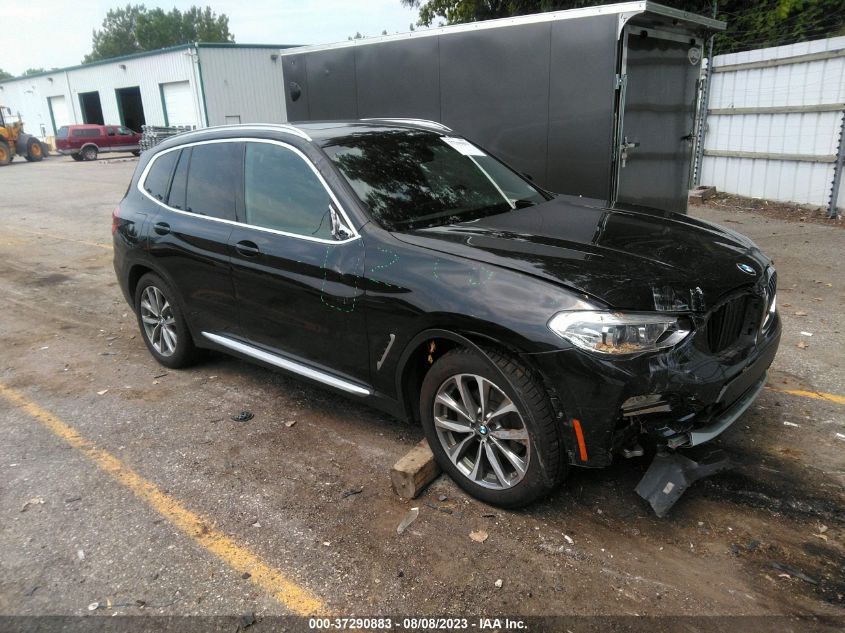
x,y
89,153
5,153
162,324
492,428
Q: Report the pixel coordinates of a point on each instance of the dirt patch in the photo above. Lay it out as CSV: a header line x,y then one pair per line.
x,y
788,211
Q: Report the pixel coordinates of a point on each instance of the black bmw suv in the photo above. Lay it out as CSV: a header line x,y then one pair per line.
x,y
406,267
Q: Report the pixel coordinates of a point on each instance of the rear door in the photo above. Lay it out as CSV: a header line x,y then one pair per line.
x,y
190,233
656,128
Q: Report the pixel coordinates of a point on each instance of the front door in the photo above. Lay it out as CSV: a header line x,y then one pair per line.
x,y
299,287
655,136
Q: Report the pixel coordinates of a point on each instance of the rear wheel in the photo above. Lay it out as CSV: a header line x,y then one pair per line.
x,y
492,428
77,156
34,151
89,153
5,153
162,324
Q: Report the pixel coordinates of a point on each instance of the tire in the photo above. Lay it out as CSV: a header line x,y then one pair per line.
x,y
34,151
169,340
5,153
89,153
137,152
77,157
529,431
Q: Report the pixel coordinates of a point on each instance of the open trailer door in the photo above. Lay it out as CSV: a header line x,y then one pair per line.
x,y
656,114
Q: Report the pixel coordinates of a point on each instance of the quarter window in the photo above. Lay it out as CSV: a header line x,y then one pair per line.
x,y
176,199
282,192
213,177
158,178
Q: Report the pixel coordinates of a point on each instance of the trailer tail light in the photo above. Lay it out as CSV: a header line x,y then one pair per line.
x,y
115,219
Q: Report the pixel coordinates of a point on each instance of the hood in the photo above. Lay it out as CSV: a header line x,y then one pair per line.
x,y
632,260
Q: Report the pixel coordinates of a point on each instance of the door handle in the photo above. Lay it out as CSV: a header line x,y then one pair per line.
x,y
162,228
247,248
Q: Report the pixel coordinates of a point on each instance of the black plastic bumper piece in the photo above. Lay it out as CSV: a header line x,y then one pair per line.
x,y
672,472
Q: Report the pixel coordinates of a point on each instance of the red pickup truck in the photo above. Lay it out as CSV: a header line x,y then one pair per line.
x,y
85,142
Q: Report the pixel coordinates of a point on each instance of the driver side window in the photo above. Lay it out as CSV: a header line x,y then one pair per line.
x,y
283,193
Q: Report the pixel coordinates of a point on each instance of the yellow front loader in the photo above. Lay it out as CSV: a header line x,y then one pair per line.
x,y
14,141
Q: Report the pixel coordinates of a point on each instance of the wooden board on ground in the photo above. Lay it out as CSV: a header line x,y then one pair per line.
x,y
411,474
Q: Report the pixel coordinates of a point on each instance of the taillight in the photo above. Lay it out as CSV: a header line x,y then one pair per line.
x,y
115,219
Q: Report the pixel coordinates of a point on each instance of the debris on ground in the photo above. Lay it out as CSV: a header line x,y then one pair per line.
x,y
788,423
80,554
840,436
243,416
793,572
73,499
803,333
412,515
93,606
39,501
102,392
353,491
247,620
442,498
802,345
498,584
246,575
290,423
479,536
568,539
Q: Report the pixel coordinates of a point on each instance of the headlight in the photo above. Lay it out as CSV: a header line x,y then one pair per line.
x,y
616,333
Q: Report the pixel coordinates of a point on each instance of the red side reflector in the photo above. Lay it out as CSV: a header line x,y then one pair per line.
x,y
114,219
582,447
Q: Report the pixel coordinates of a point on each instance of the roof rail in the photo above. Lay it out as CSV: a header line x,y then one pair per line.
x,y
420,122
284,127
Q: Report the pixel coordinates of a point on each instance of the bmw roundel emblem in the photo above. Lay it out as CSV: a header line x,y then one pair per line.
x,y
482,430
748,270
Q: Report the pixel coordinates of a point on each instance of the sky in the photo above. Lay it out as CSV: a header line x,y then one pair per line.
x,y
64,27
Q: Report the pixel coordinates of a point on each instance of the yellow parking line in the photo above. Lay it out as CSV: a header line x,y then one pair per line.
x,y
298,599
817,395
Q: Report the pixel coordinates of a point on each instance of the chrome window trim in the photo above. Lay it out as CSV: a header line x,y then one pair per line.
x,y
286,363
142,179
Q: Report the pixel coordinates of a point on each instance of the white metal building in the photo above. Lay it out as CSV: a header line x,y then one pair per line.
x,y
774,122
194,85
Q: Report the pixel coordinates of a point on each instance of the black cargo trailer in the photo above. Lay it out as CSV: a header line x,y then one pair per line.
x,y
599,102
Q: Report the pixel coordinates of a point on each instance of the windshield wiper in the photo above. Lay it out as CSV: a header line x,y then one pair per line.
x,y
521,204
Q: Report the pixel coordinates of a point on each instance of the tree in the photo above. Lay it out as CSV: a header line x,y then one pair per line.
x,y
134,29
5,75
33,71
750,25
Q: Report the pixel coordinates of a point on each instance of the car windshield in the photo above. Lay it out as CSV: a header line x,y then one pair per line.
x,y
411,179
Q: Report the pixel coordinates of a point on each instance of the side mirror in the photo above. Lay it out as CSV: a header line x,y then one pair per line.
x,y
340,231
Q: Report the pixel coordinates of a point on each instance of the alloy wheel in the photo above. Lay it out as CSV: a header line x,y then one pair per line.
x,y
159,321
482,431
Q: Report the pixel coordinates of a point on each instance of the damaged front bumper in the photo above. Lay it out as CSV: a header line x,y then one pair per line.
x,y
679,399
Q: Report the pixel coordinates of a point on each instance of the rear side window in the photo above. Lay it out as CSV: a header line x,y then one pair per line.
x,y
62,133
213,177
282,192
158,178
180,180
86,132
